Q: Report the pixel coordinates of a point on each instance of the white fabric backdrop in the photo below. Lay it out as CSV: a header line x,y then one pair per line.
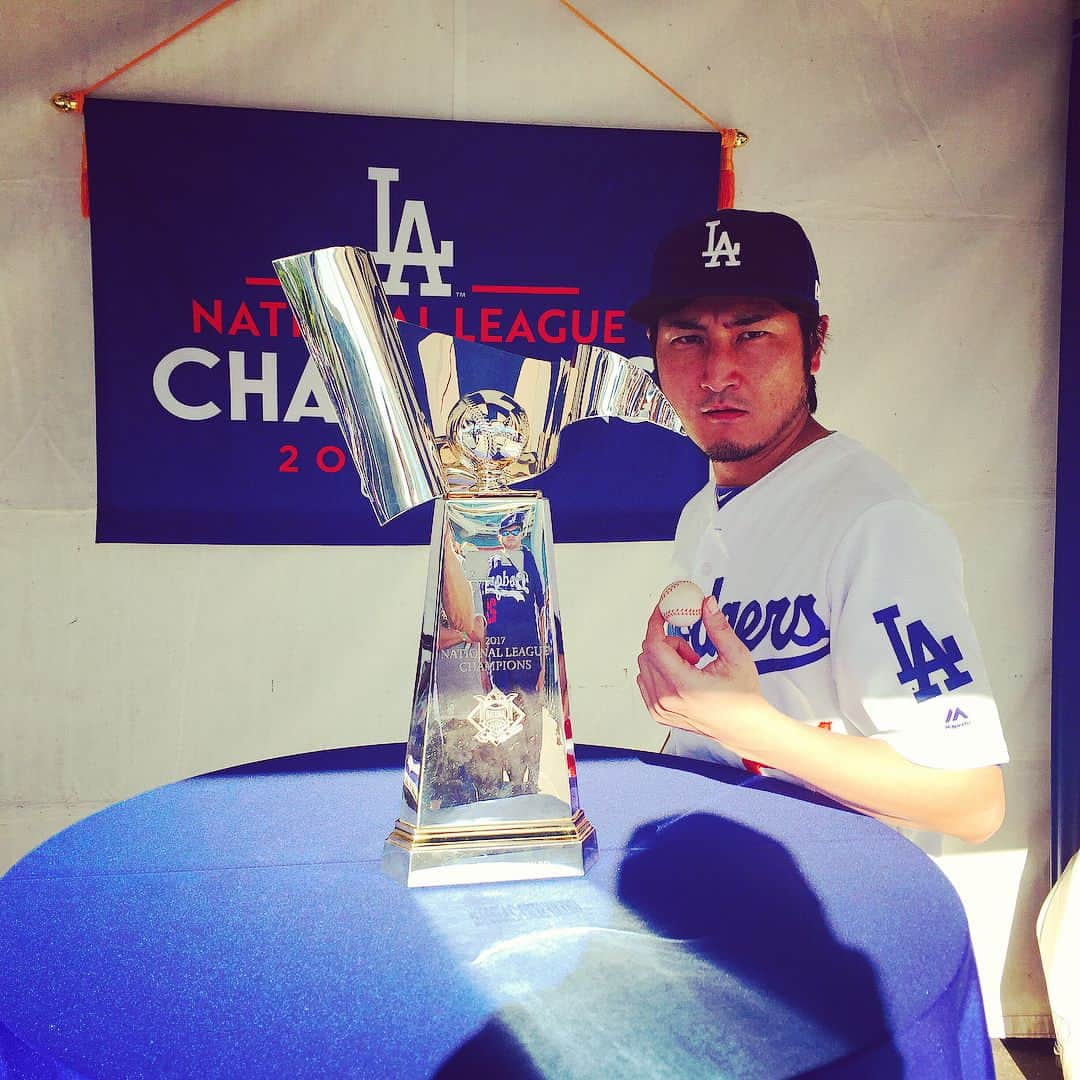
x,y
921,144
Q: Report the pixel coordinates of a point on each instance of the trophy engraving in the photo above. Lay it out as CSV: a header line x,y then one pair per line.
x,y
490,785
496,717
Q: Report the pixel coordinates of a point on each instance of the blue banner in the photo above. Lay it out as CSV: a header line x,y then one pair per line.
x,y
212,423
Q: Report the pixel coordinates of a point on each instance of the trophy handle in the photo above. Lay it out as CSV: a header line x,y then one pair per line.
x,y
340,306
603,383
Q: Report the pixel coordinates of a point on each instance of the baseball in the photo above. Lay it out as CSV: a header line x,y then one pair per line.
x,y
680,604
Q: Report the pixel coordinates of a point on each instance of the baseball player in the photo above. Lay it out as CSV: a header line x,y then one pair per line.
x,y
834,646
514,605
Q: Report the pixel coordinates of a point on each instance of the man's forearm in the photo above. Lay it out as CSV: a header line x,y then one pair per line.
x,y
723,701
869,775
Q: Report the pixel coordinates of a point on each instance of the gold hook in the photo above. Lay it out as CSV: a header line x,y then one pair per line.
x,y
65,101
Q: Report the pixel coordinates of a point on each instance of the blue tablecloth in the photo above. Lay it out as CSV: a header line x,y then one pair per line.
x,y
237,925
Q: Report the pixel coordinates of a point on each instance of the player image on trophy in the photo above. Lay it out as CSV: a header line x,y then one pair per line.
x,y
490,785
515,615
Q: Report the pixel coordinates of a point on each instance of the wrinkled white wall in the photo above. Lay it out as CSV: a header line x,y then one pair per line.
x,y
920,143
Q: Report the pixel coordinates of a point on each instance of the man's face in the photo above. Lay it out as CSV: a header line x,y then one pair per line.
x,y
510,538
733,368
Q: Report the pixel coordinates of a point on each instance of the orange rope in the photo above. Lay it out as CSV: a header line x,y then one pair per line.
x,y
634,60
726,195
79,96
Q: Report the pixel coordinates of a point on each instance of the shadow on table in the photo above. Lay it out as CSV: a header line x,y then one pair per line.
x,y
721,963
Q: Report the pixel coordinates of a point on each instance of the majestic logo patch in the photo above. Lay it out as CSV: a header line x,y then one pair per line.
x,y
720,246
923,656
955,718
792,627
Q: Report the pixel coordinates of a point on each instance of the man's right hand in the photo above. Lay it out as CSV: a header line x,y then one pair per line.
x,y
721,700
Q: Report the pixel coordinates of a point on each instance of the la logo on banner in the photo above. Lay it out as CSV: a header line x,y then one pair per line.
x,y
413,220
720,246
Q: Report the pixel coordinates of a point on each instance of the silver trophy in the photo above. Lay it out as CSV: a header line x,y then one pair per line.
x,y
490,785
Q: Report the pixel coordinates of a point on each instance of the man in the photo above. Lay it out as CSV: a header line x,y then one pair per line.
x,y
514,605
834,645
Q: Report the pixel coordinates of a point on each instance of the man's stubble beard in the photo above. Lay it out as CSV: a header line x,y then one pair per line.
x,y
726,450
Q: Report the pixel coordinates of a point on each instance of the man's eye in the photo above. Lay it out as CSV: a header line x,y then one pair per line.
x,y
687,339
753,335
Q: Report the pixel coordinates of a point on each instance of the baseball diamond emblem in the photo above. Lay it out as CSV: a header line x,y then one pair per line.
x,y
496,717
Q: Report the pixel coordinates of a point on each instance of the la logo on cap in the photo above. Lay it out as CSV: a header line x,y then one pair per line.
x,y
718,247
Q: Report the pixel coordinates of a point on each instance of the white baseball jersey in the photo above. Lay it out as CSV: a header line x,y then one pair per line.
x,y
849,594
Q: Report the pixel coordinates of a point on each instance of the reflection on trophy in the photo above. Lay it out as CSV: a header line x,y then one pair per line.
x,y
490,786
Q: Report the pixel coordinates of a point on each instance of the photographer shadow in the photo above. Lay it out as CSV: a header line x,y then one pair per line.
x,y
719,963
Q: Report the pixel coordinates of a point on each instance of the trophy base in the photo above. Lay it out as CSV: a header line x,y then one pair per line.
x,y
475,854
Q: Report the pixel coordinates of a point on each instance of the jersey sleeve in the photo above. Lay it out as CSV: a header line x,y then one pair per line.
x,y
907,663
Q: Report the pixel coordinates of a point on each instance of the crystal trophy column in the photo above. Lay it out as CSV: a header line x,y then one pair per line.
x,y
490,786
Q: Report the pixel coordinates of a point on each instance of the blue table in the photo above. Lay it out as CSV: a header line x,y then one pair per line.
x,y
237,925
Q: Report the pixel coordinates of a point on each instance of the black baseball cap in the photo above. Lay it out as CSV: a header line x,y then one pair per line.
x,y
732,253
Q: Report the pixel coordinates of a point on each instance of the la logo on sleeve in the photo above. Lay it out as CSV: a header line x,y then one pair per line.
x,y
923,655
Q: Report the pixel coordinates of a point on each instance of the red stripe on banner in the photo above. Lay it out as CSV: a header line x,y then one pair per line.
x,y
261,281
532,290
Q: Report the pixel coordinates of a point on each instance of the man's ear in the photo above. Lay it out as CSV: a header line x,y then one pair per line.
x,y
822,334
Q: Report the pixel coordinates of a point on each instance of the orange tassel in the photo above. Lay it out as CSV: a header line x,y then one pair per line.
x,y
726,198
84,184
